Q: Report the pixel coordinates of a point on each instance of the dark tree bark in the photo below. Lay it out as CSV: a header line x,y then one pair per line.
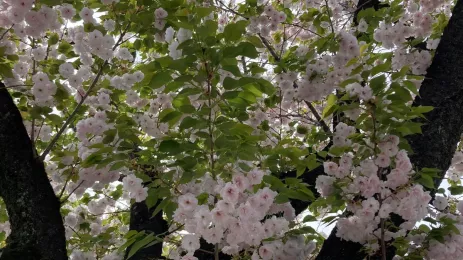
x,y
37,230
442,129
141,218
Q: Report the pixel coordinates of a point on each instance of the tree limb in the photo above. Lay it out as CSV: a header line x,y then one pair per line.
x,y
37,230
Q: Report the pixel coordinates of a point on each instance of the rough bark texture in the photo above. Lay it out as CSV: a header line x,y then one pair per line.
x,y
443,90
37,230
141,219
442,129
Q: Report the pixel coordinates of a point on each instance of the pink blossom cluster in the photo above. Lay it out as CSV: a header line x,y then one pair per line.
x,y
160,15
326,73
26,21
174,39
91,127
418,61
237,218
134,186
41,132
362,92
267,22
384,186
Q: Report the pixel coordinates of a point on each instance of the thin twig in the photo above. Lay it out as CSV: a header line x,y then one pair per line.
x,y
270,49
228,9
317,116
303,28
6,31
40,130
66,183
64,200
329,16
114,212
74,231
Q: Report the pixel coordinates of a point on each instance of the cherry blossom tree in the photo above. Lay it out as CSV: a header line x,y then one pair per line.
x,y
218,129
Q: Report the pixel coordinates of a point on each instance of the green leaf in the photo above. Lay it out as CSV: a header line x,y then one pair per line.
x,y
424,228
256,41
296,194
422,109
248,50
409,128
377,84
234,31
380,68
51,2
159,79
400,74
309,218
229,83
411,86
233,69
172,116
330,106
329,219
160,206
208,29
64,47
118,165
204,11
202,198
53,39
171,147
426,181
140,244
188,122
275,183
164,61
6,71
456,190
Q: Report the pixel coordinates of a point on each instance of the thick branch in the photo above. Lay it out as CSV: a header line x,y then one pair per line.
x,y
33,209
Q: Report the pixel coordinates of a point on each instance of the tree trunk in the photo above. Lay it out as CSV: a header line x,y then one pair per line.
x,y
141,219
442,129
37,230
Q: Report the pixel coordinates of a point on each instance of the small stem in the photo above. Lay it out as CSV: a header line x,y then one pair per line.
x,y
216,252
65,199
6,31
318,117
329,16
383,243
65,184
